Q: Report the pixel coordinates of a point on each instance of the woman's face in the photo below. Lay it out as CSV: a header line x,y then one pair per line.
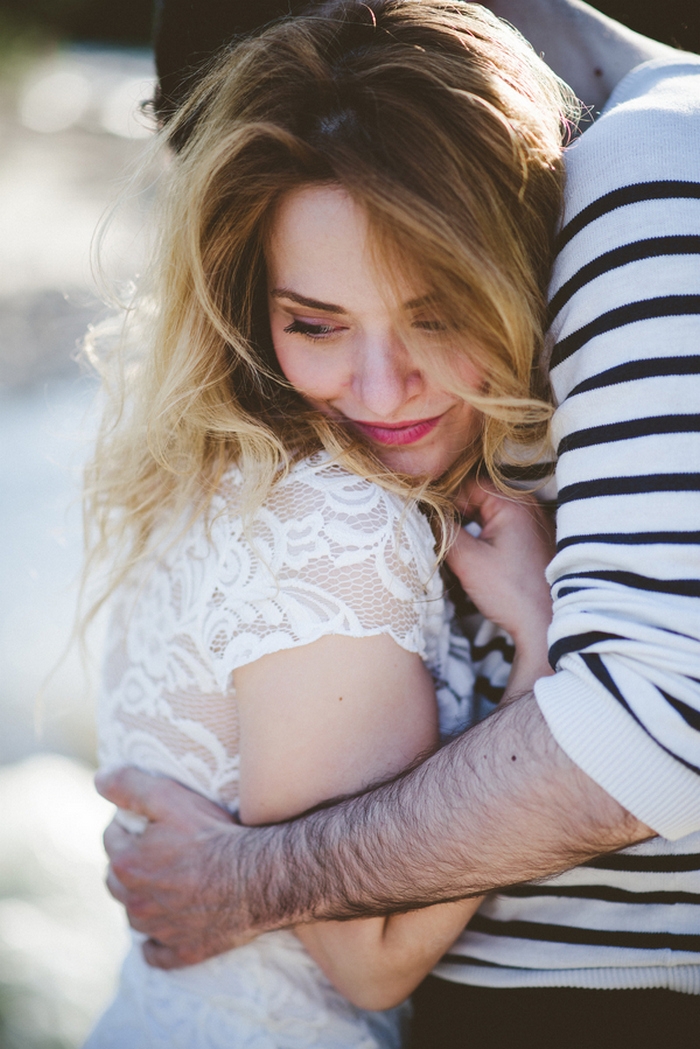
x,y
336,324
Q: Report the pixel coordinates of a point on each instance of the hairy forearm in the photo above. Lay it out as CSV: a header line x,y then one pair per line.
x,y
500,805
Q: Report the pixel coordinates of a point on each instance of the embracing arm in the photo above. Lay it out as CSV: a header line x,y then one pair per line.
x,y
501,804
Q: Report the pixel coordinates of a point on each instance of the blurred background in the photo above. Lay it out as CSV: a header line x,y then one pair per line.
x,y
73,75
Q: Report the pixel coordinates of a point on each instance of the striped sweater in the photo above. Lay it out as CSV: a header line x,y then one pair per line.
x,y
625,640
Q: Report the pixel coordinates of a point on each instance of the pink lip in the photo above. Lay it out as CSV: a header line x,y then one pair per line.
x,y
398,433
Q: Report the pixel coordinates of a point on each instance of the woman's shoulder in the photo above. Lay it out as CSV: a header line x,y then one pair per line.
x,y
320,507
316,473
328,552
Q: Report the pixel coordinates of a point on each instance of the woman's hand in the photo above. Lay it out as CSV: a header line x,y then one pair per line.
x,y
503,570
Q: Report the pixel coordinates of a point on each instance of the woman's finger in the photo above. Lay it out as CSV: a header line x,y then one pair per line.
x,y
478,500
464,549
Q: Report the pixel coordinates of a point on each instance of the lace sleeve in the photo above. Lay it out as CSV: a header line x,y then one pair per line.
x,y
328,553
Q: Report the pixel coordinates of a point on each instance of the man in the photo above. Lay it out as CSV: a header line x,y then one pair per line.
x,y
606,753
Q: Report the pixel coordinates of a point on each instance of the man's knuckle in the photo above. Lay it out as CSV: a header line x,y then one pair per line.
x,y
116,779
145,922
123,867
154,954
162,956
113,839
120,788
138,908
136,923
116,889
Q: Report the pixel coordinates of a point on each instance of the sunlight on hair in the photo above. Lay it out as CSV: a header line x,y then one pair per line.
x,y
446,127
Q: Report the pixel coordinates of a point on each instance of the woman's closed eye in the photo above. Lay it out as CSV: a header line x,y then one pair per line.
x,y
312,329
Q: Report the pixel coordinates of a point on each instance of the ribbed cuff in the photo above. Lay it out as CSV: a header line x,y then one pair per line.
x,y
684,979
603,740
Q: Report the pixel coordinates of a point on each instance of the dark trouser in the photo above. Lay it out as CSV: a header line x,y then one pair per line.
x,y
457,1016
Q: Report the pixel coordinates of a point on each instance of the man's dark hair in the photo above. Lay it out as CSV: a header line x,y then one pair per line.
x,y
188,32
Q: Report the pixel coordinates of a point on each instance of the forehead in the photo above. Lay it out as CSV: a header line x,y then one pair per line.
x,y
320,245
315,229
315,210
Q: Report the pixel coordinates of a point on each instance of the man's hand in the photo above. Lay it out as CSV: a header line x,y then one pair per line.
x,y
173,878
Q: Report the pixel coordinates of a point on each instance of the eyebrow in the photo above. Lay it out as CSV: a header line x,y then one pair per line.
x,y
417,304
329,307
313,304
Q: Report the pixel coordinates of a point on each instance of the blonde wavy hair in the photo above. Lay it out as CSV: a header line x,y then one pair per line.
x,y
440,121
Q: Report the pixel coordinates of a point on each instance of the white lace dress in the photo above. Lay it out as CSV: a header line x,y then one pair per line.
x,y
328,553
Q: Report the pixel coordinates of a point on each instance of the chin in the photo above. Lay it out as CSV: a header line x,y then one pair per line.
x,y
414,463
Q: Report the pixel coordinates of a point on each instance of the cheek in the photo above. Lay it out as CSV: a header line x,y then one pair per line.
x,y
464,429
471,424
469,374
306,369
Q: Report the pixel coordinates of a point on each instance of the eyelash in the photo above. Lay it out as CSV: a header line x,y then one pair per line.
x,y
322,331
311,331
429,326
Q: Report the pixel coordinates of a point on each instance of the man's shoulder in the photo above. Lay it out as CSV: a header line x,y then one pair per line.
x,y
648,132
660,85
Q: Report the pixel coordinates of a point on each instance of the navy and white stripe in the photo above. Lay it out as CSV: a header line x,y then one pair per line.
x,y
625,701
625,367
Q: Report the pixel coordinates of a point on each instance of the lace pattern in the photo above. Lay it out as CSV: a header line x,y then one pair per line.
x,y
328,553
269,994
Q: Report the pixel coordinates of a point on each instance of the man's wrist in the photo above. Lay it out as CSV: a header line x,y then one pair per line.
x,y
269,873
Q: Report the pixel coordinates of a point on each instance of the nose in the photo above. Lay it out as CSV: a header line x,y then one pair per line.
x,y
386,379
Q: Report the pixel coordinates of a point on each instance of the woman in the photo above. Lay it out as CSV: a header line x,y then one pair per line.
x,y
337,333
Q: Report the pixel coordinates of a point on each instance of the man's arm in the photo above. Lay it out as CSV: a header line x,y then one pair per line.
x,y
500,804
